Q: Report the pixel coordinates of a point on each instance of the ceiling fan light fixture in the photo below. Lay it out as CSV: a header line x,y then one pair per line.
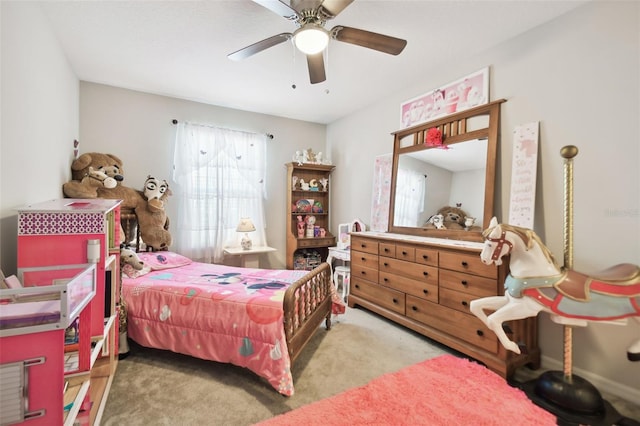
x,y
311,39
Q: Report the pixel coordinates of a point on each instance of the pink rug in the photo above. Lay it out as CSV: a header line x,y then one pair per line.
x,y
441,391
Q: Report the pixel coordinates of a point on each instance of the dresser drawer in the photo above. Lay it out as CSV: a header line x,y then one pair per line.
x,y
459,325
380,295
366,260
427,256
467,263
471,284
364,273
404,252
387,249
364,244
425,289
408,269
456,300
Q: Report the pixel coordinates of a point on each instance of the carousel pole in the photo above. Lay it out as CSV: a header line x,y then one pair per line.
x,y
568,153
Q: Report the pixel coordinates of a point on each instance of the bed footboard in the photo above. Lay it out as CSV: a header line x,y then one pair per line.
x,y
306,303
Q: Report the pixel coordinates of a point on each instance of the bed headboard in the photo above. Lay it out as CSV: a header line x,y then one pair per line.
x,y
129,222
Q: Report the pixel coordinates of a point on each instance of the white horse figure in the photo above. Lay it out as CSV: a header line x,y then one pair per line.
x,y
536,283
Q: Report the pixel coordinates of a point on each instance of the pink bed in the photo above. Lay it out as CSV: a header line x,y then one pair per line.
x,y
254,318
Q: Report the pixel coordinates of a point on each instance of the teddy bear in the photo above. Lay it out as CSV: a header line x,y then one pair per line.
x,y
90,183
108,164
452,218
152,218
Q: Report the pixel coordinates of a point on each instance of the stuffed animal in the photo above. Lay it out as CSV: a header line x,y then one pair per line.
x,y
130,257
152,218
110,165
436,221
452,218
129,260
90,183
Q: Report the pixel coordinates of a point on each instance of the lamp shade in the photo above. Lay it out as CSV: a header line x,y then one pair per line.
x,y
245,225
311,39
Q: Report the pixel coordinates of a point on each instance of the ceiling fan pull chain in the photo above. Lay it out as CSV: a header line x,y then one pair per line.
x,y
293,64
327,67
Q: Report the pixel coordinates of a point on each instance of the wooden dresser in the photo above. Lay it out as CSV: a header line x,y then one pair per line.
x,y
427,284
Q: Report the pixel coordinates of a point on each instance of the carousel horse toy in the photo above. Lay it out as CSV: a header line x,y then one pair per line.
x,y
536,283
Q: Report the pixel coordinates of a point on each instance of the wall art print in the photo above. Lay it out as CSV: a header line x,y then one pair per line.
x,y
460,95
381,193
523,175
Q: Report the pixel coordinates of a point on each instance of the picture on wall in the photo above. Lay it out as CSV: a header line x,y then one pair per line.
x,y
460,95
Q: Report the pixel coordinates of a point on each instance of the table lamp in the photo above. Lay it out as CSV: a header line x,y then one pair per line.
x,y
245,225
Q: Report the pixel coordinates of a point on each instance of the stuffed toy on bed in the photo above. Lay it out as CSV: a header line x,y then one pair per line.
x,y
152,217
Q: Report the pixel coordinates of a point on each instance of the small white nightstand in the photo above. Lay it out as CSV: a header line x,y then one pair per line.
x,y
248,258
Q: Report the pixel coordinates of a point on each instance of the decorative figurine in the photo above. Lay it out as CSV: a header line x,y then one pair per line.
x,y
310,157
536,283
294,181
301,226
324,182
299,157
304,185
468,222
311,220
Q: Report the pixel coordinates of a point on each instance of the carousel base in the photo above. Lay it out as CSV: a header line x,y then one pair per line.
x,y
573,402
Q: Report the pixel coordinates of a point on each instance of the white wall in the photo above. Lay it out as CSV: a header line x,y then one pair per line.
x,y
39,118
137,128
579,76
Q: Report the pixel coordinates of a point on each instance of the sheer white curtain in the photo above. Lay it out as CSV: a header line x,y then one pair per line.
x,y
410,193
220,174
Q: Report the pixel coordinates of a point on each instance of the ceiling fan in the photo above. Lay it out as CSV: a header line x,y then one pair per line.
x,y
312,38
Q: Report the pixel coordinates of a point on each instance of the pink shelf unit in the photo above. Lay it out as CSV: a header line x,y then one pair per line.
x,y
32,334
58,232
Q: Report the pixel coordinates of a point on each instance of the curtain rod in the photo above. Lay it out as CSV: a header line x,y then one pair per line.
x,y
174,122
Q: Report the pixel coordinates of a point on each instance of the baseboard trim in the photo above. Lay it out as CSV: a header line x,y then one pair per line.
x,y
601,383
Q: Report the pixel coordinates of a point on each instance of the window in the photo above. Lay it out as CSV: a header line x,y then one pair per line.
x,y
220,174
410,192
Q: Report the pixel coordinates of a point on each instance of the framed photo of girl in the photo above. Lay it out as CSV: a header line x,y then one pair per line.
x,y
459,95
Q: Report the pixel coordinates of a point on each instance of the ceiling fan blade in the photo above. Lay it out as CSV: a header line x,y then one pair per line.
x,y
331,8
375,41
279,8
316,68
259,46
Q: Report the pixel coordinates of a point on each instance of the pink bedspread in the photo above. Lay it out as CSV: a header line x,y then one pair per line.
x,y
215,312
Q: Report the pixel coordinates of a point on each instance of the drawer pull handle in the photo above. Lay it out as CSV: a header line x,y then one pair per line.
x,y
425,291
386,250
385,264
357,286
385,280
425,257
415,308
395,300
404,253
480,333
425,273
464,303
363,259
363,272
463,282
465,264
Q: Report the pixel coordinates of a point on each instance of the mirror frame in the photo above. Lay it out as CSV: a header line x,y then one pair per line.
x,y
454,128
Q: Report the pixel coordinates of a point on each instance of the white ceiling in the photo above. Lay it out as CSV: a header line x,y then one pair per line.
x,y
179,49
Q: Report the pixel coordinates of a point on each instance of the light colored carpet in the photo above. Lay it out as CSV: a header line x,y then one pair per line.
x,y
162,388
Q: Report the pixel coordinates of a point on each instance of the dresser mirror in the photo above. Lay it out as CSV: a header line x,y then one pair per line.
x,y
459,172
